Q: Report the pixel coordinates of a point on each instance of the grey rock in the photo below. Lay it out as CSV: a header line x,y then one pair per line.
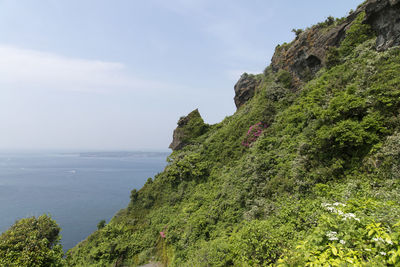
x,y
306,55
384,17
189,127
245,89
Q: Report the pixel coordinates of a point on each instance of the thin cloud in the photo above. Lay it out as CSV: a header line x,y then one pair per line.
x,y
29,69
231,24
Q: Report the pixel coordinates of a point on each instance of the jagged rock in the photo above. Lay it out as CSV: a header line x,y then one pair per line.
x,y
306,55
189,127
384,17
245,89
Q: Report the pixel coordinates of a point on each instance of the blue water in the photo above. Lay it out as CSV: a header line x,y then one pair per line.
x,y
77,191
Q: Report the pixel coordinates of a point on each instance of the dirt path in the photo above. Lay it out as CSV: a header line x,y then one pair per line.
x,y
153,264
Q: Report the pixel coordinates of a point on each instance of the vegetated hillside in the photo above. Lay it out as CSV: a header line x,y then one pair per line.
x,y
306,171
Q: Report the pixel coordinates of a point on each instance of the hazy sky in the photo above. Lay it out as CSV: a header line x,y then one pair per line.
x,y
117,74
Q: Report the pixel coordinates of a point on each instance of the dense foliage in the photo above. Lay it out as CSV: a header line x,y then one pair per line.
x,y
31,242
319,185
295,177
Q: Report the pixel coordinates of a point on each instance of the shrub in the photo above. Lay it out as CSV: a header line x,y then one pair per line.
x,y
355,35
253,133
297,32
346,235
31,242
332,57
285,78
256,244
190,167
101,224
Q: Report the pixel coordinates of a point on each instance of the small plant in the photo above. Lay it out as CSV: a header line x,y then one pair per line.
x,y
101,224
330,20
162,234
297,32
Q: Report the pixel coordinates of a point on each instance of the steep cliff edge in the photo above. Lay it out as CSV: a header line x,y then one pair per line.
x,y
306,172
307,54
383,16
245,89
189,127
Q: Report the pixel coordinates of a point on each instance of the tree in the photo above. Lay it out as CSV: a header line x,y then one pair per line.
x,y
32,242
101,224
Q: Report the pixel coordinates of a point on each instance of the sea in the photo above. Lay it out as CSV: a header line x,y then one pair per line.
x,y
77,189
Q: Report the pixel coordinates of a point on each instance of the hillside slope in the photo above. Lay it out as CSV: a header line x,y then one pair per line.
x,y
306,171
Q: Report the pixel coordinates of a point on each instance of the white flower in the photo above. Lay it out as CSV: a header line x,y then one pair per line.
x,y
347,216
378,239
339,204
331,209
332,235
383,253
342,242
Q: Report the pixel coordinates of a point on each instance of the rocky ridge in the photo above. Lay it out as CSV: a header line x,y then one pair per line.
x,y
307,54
189,127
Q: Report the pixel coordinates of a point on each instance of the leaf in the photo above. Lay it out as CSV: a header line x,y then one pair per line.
x,y
371,232
334,251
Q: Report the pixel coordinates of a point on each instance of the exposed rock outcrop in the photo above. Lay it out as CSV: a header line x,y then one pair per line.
x,y
189,127
245,89
306,55
384,17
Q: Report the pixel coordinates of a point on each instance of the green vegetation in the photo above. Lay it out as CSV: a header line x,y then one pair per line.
x,y
285,78
318,187
297,32
194,126
32,242
189,128
101,224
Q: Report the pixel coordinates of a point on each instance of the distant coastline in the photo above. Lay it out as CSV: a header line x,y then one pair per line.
x,y
123,154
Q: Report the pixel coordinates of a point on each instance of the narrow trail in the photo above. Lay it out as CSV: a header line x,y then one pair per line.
x,y
153,264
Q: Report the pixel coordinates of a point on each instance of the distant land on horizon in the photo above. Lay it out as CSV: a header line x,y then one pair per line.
x,y
123,154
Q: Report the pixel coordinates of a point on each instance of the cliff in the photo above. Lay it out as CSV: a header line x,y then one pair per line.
x,y
306,172
189,127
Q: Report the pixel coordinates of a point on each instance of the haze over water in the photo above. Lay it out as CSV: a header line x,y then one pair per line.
x,y
78,190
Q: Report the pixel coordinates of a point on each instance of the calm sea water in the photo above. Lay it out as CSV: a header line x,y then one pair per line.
x,y
77,190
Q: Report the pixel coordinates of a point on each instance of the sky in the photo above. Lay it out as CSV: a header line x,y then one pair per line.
x,y
118,74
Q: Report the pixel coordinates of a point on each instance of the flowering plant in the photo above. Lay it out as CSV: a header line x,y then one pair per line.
x,y
162,234
253,133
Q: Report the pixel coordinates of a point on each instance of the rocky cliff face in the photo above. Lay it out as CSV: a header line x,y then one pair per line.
x,y
384,17
189,127
245,89
306,55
